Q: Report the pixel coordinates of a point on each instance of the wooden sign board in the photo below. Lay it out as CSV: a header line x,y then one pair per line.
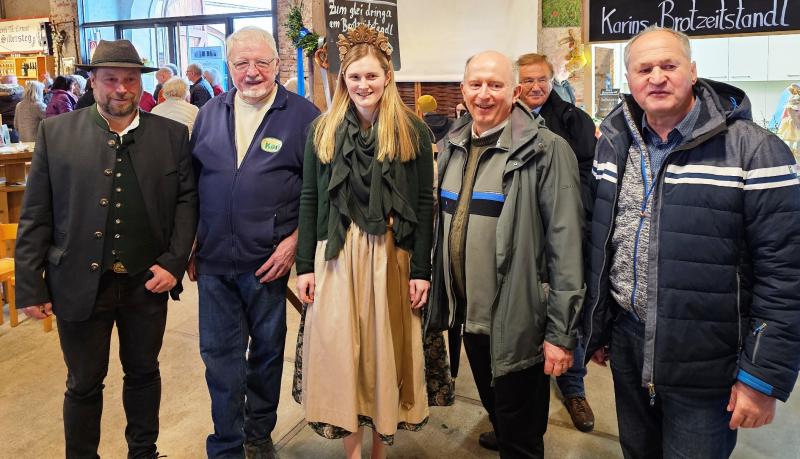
x,y
611,20
343,15
24,36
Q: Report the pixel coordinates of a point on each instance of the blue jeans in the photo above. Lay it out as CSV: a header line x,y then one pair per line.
x,y
571,382
242,334
679,425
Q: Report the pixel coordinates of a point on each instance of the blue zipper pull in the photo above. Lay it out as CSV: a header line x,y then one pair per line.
x,y
759,329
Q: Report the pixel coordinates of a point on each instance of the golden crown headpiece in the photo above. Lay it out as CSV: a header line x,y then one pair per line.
x,y
363,34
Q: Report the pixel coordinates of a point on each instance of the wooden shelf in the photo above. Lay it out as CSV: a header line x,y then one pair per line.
x,y
30,67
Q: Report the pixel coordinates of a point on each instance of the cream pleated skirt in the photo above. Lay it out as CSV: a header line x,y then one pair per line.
x,y
360,366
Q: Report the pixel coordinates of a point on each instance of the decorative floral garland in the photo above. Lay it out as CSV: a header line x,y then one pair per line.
x,y
300,36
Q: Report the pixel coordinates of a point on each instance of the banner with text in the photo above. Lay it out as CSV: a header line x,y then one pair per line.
x,y
343,15
622,19
23,36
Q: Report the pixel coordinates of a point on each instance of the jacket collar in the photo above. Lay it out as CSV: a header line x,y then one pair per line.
x,y
715,113
555,103
519,124
521,129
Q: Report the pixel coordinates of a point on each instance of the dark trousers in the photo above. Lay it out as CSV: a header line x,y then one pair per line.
x,y
140,317
242,336
518,403
678,425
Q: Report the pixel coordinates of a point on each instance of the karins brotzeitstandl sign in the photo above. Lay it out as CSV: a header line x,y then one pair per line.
x,y
622,19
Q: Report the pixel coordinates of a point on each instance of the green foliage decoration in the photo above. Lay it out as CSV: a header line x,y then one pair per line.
x,y
300,36
561,13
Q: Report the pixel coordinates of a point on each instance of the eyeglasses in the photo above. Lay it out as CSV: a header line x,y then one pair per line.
x,y
261,64
528,82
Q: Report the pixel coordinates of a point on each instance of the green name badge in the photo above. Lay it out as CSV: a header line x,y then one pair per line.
x,y
271,144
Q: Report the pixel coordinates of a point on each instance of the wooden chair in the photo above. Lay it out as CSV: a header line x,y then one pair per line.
x,y
8,234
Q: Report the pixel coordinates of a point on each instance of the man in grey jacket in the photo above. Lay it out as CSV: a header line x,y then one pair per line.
x,y
511,219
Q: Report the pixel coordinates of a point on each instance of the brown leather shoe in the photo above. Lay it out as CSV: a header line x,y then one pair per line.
x,y
581,413
263,449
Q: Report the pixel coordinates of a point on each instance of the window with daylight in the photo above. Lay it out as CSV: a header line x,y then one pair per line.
x,y
123,10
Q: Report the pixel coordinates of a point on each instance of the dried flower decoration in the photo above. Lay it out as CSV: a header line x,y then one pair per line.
x,y
363,34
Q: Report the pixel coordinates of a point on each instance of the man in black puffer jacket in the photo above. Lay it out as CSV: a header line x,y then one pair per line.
x,y
563,118
693,259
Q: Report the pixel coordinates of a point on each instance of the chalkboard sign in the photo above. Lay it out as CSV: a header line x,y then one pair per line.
x,y
609,98
622,19
343,15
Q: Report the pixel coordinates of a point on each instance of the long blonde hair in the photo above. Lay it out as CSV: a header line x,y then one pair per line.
x,y
396,136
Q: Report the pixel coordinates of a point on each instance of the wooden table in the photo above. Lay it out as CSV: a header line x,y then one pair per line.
x,y
13,189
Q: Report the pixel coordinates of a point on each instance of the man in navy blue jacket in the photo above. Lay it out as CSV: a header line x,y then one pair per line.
x,y
248,154
693,259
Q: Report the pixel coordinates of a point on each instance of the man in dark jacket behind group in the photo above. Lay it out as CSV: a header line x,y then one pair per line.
x,y
248,152
577,128
510,217
200,92
693,260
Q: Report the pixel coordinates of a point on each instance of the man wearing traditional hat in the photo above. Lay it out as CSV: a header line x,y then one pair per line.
x,y
106,228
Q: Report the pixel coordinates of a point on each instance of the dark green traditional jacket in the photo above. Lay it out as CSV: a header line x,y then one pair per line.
x,y
62,226
407,193
128,237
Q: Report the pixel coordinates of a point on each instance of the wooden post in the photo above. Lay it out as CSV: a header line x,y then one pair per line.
x,y
588,92
417,93
318,26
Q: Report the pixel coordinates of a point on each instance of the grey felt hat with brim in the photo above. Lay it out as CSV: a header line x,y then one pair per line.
x,y
117,53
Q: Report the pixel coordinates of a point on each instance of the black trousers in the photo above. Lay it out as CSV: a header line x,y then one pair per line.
x,y
518,403
140,317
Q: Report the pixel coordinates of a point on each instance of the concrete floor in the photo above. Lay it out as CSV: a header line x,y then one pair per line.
x,y
32,375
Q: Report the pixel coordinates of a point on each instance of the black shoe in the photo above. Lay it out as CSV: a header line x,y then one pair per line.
x,y
155,455
488,440
260,450
581,413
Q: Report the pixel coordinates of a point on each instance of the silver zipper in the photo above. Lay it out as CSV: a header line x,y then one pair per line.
x,y
652,316
738,312
758,332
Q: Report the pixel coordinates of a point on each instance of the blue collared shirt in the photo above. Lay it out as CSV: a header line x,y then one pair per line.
x,y
658,149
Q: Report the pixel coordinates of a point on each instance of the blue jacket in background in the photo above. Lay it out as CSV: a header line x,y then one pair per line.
x,y
246,211
200,93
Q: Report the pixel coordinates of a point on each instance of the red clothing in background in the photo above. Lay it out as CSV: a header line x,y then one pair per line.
x,y
147,102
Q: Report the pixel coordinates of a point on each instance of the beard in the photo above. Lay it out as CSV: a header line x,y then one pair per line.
x,y
257,92
119,110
